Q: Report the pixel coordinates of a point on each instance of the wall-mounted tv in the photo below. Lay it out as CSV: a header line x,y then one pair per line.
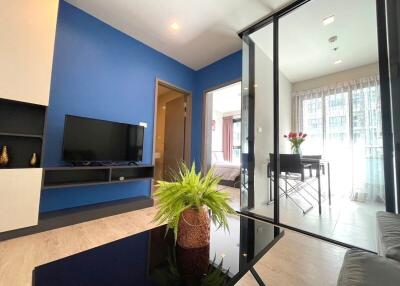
x,y
93,140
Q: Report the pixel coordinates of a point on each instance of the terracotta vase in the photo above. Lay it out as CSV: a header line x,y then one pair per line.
x,y
194,228
4,157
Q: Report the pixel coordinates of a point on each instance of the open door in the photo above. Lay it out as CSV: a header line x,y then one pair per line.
x,y
172,130
174,142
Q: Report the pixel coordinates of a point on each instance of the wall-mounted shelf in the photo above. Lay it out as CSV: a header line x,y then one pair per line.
x,y
66,177
21,130
21,135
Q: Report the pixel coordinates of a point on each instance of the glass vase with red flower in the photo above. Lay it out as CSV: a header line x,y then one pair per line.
x,y
296,139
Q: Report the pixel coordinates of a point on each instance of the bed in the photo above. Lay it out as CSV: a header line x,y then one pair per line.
x,y
229,172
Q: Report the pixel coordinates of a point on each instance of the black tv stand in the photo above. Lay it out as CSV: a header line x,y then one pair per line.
x,y
103,163
63,177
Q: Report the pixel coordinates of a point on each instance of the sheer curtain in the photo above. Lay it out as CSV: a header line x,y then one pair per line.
x,y
343,122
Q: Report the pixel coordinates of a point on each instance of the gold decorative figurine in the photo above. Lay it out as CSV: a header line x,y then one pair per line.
x,y
34,160
4,158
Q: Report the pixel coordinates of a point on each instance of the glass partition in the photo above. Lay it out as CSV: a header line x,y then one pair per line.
x,y
329,68
257,122
331,169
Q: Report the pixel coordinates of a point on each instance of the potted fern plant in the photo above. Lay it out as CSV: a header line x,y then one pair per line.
x,y
188,203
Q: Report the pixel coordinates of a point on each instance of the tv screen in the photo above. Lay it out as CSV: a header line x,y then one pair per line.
x,y
93,140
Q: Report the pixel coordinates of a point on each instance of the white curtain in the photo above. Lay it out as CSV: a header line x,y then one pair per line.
x,y
208,117
343,123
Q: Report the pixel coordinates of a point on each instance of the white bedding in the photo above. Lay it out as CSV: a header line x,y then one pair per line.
x,y
226,170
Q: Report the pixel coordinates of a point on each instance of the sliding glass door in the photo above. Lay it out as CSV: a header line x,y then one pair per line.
x,y
313,104
258,123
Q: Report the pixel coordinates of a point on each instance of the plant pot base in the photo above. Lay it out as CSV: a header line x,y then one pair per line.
x,y
194,229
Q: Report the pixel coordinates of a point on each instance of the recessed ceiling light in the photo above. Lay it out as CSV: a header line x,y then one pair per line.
x,y
328,20
337,62
175,26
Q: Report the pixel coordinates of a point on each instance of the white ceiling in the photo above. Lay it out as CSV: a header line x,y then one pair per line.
x,y
228,98
304,50
208,27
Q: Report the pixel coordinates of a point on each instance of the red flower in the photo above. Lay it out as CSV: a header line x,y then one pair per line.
x,y
295,136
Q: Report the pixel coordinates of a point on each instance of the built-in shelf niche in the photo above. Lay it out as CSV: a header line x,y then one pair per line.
x,y
64,177
21,130
123,174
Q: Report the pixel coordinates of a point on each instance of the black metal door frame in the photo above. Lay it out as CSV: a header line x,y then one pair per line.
x,y
385,100
393,33
387,126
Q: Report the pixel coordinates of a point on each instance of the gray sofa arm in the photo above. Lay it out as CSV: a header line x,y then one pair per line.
x,y
361,268
388,228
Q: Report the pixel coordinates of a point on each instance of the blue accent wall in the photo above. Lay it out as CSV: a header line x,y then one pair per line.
x,y
100,72
211,76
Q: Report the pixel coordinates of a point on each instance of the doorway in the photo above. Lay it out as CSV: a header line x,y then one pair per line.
x,y
222,136
172,118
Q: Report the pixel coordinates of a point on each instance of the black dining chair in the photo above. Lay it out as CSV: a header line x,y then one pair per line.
x,y
314,166
292,173
320,166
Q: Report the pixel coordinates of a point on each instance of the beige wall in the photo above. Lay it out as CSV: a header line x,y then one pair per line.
x,y
351,74
264,121
27,33
160,130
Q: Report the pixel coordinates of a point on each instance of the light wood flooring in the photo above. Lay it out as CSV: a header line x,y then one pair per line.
x,y
295,260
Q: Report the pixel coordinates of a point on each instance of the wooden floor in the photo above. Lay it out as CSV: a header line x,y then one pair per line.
x,y
295,260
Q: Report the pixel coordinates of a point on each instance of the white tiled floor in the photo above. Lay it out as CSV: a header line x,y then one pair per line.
x,y
345,220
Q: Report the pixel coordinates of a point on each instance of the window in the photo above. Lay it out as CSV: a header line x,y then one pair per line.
x,y
358,101
344,124
336,101
236,140
358,120
313,123
337,122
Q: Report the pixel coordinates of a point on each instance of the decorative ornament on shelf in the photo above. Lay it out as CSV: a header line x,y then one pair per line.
x,y
188,203
296,139
34,161
4,157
